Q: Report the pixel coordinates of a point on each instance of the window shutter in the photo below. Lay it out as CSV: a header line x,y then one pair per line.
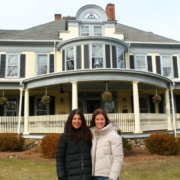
x,y
51,63
114,58
177,103
22,107
78,57
158,65
152,105
31,105
86,56
52,106
22,65
175,67
108,65
131,62
2,65
149,62
1,110
161,105
63,60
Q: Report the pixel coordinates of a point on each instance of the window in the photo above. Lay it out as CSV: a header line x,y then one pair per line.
x,y
144,104
166,66
140,62
12,68
91,30
120,58
42,64
70,58
11,107
109,107
41,108
97,56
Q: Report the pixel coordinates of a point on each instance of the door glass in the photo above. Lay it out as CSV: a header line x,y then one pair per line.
x,y
143,104
93,105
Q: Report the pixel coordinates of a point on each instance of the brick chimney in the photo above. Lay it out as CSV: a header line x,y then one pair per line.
x,y
57,17
110,11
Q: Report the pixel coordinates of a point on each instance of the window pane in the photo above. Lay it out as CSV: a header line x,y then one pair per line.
x,y
120,63
97,50
140,63
11,107
166,65
70,65
84,30
41,108
70,58
166,61
97,30
42,64
109,107
97,62
70,54
12,65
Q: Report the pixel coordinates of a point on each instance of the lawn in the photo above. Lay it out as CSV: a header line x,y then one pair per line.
x,y
135,167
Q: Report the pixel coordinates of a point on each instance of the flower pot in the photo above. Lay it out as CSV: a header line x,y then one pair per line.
x,y
3,101
156,98
46,99
106,96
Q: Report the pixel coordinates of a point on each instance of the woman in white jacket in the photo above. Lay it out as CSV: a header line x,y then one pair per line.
x,y
107,152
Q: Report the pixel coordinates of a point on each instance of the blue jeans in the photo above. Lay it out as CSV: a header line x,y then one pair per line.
x,y
102,178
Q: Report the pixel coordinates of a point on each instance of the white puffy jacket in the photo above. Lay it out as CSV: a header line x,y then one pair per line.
x,y
107,152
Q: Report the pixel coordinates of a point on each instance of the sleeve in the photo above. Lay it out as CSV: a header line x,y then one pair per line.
x,y
117,153
60,158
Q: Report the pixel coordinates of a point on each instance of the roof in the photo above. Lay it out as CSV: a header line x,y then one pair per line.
x,y
49,31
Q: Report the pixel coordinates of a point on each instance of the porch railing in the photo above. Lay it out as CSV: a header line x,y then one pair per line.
x,y
55,123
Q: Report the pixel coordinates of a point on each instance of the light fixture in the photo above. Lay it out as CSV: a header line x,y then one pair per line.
x,y
61,90
61,101
124,100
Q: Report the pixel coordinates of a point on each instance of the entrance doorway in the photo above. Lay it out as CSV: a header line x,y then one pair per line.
x,y
92,105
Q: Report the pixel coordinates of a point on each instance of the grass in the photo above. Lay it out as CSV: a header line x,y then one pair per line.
x,y
153,169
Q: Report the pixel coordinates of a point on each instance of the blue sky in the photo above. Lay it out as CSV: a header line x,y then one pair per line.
x,y
158,16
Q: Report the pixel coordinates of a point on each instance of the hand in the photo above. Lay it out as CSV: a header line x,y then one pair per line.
x,y
110,179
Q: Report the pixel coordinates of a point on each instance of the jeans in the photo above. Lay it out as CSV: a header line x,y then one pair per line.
x,y
102,178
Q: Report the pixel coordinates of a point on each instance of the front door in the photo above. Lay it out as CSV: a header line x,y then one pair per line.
x,y
92,105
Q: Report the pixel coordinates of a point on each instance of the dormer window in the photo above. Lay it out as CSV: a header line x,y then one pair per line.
x,y
91,30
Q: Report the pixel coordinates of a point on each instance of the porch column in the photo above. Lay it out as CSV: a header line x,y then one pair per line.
x,y
156,108
20,108
74,95
136,107
167,107
26,111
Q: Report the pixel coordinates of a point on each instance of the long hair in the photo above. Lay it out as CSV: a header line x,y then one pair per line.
x,y
76,134
95,113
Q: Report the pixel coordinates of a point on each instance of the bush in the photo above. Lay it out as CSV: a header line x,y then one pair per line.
x,y
11,142
49,144
126,144
162,144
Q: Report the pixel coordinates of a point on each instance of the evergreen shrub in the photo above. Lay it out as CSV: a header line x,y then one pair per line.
x,y
162,144
48,146
11,142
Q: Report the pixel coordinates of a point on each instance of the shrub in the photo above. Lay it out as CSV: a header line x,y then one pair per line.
x,y
126,144
49,144
162,144
11,142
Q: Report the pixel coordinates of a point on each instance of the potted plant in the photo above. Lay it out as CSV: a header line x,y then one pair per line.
x,y
106,96
3,101
156,98
46,99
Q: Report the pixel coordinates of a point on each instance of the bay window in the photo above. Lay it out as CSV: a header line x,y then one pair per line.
x,y
120,58
70,58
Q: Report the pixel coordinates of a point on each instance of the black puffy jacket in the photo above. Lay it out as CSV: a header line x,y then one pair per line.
x,y
73,159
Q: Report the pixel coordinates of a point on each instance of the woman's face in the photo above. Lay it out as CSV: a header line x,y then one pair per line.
x,y
100,121
76,121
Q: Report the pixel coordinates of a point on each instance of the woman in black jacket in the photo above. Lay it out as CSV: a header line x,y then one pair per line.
x,y
73,160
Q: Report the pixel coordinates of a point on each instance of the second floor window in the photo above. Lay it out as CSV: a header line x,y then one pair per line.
x,y
12,69
166,66
42,64
97,56
120,58
140,62
70,58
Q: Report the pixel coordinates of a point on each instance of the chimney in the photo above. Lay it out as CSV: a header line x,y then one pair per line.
x,y
57,17
110,11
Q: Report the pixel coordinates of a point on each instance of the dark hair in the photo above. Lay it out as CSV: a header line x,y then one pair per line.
x,y
82,133
95,113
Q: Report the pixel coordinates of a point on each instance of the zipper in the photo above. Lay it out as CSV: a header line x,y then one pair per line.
x,y
95,152
82,164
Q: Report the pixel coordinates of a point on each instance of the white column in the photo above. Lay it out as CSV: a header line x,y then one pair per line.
x,y
26,111
20,108
168,111
74,95
136,107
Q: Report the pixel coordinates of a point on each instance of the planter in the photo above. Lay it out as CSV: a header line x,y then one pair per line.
x,y
156,98
3,101
106,96
46,99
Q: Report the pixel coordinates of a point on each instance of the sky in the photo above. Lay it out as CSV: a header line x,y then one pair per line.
x,y
158,16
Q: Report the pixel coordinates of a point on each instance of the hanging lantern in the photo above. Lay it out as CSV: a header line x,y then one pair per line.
x,y
106,95
156,98
3,100
46,99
